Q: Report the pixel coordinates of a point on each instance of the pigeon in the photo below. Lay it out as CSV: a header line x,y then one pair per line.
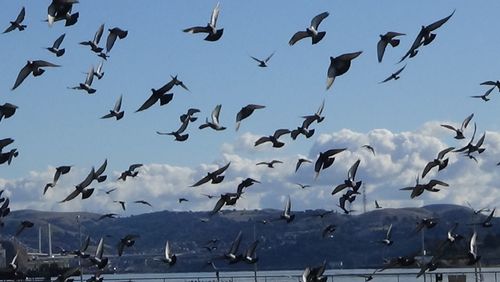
x,y
8,157
182,200
459,132
270,164
178,134
245,112
55,47
338,66
311,31
425,36
418,189
232,255
13,263
303,186
116,111
114,33
98,71
170,258
286,215
273,138
7,110
326,159
213,34
225,199
24,224
387,38
108,215
18,22
484,97
250,257
94,44
394,76
369,148
61,10
308,120
130,172
98,259
350,182
161,94
300,161
214,123
81,188
127,241
472,254
60,170
387,240
495,84
263,63
487,222
214,176
440,162
471,148
247,182
87,85
33,67
143,202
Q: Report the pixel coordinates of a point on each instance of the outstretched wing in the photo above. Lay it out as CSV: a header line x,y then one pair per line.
x,y
318,19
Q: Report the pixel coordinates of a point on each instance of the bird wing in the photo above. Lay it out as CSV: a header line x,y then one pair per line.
x,y
25,71
444,152
288,206
298,36
351,174
21,15
42,63
381,49
268,58
439,23
197,29
118,104
236,244
202,181
481,140
98,34
318,19
222,169
449,127
466,121
339,188
215,15
102,168
220,203
399,71
71,196
99,251
58,41
435,182
280,132
86,182
215,114
134,167
332,152
427,168
388,234
320,109
110,41
90,76
149,102
260,61
262,140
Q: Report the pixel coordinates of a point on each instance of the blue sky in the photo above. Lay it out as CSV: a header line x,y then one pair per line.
x,y
58,126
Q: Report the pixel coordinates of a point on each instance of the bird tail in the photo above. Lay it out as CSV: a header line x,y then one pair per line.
x,y
60,52
318,37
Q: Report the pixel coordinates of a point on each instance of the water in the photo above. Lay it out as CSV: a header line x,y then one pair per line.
x,y
346,275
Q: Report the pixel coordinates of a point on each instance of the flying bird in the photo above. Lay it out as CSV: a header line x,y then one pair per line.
x,y
55,47
161,94
7,110
232,255
250,256
387,38
311,31
440,161
263,63
287,215
350,182
303,186
377,206
338,66
81,188
418,189
8,156
60,170
369,148
24,224
108,215
215,177
425,222
228,199
116,111
170,258
33,67
18,22
247,182
87,85
178,133
214,34
459,132
387,240
143,203
470,147
326,159
98,259
61,10
214,123
300,161
180,200
114,33
273,138
394,76
130,172
472,254
270,164
484,97
245,112
316,117
94,43
127,241
98,71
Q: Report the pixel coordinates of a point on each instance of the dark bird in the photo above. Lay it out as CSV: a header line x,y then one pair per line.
x,y
418,189
387,240
127,241
369,148
116,111
247,182
316,117
81,188
143,202
245,112
350,182
315,274
183,200
326,159
459,132
287,215
7,110
440,161
214,123
98,173
5,142
472,254
346,198
122,204
425,222
425,36
492,83
189,115
263,63
60,170
98,259
108,215
170,258
311,31
270,164
214,34
114,33
55,47
394,76
215,177
33,67
250,254
471,148
387,38
130,172
377,206
225,199
18,22
300,161
24,224
487,221
232,255
484,97
338,66
178,133
87,85
161,94
273,138
451,236
61,10
9,156
94,44
303,186
13,265
328,230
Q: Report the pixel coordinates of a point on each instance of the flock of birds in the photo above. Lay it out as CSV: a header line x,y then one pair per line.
x,y
62,10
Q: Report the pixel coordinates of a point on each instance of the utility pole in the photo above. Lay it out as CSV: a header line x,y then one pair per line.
x,y
80,239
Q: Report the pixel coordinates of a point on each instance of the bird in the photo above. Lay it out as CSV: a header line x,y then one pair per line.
x,y
215,177
60,170
247,182
61,10
394,76
130,172
122,204
55,47
8,156
387,240
245,112
425,222
127,241
338,66
315,273
178,133
143,202
13,263
425,36
495,84
303,186
7,110
225,199
81,188
108,215
180,200
232,255
459,132
369,148
471,148
87,85
300,161
214,122
5,142
311,31
328,230
316,117
484,97
326,159
287,215
273,138
33,67
451,236
213,34
263,63
116,111
418,189
170,258
98,259
440,162
270,164
250,256
350,182
98,71
472,254
189,115
24,224
387,38
94,43
114,33
18,22
161,94
377,206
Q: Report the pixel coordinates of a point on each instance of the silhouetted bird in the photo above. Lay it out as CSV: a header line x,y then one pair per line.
x,y
127,241
215,177
114,33
245,112
263,63
94,43
394,76
387,38
459,131
440,162
18,22
311,31
214,34
338,66
33,67
116,111
55,47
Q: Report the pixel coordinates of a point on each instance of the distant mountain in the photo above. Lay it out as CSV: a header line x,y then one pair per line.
x,y
281,246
